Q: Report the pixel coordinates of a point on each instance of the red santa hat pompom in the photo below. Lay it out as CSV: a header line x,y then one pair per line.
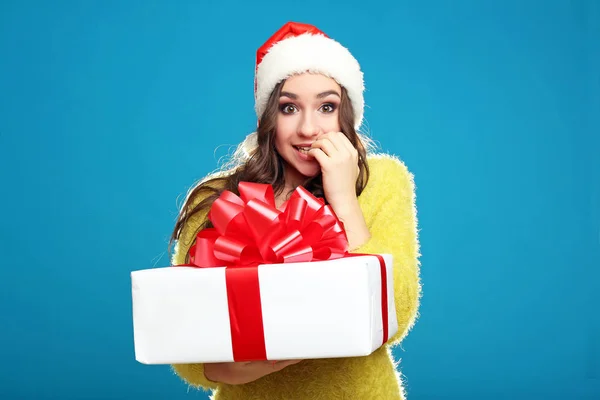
x,y
298,48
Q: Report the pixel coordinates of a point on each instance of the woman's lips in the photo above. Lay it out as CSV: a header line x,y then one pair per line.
x,y
302,153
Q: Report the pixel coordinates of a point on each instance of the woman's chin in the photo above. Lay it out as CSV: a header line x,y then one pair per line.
x,y
302,172
309,172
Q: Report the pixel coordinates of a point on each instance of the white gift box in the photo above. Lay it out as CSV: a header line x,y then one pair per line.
x,y
321,309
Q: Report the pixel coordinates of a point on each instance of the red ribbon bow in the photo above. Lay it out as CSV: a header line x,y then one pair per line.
x,y
251,230
248,231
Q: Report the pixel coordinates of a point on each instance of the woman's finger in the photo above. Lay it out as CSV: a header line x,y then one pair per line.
x,y
326,145
342,143
334,139
346,143
320,156
282,364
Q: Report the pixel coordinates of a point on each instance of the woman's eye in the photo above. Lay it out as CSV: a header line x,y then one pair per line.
x,y
288,108
328,108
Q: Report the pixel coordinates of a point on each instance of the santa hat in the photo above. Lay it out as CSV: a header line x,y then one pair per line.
x,y
297,48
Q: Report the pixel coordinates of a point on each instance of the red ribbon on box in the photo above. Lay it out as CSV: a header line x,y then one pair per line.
x,y
248,231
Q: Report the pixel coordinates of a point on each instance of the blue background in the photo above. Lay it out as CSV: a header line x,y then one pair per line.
x,y
110,110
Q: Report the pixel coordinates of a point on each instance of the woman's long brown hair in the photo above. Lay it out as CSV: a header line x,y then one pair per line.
x,y
265,165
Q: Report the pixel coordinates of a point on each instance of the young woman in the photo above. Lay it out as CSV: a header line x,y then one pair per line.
x,y
309,101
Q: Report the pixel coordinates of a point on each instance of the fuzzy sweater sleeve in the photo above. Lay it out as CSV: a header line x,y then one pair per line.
x,y
390,213
192,374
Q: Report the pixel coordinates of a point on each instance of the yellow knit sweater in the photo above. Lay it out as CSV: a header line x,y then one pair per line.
x,y
388,205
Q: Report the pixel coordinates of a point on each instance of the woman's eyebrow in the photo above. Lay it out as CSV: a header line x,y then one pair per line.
x,y
319,96
327,93
290,95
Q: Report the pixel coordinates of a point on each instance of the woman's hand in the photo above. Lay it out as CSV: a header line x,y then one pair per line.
x,y
238,373
339,169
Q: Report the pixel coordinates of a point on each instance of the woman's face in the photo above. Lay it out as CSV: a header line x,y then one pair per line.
x,y
308,108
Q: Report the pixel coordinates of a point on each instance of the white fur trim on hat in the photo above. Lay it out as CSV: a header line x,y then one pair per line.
x,y
310,53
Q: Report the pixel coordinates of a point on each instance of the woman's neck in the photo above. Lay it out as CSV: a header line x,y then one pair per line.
x,y
284,195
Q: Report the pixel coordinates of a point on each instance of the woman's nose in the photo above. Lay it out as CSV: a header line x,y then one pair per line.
x,y
308,126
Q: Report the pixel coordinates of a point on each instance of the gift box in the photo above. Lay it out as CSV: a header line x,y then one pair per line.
x,y
265,284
